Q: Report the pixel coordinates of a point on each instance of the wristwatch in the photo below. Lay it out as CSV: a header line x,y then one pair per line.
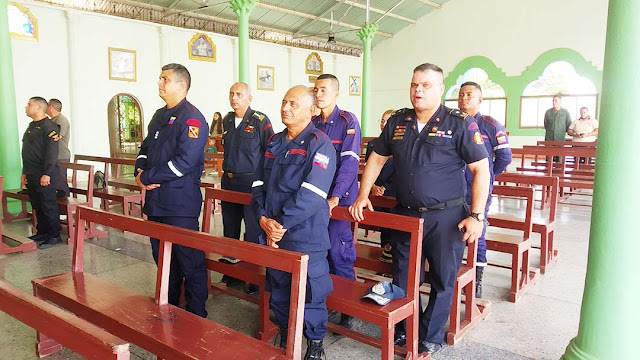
x,y
478,216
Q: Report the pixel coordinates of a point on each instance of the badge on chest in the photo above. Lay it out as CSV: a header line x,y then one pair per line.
x,y
398,132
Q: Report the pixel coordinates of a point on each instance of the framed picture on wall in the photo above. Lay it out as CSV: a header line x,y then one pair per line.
x,y
265,78
355,85
202,48
122,64
314,65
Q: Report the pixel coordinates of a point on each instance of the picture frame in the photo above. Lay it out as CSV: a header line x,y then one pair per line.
x,y
202,48
314,65
266,80
122,65
355,85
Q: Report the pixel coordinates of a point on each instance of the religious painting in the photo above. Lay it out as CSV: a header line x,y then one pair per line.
x,y
202,48
355,86
122,64
265,78
22,24
313,64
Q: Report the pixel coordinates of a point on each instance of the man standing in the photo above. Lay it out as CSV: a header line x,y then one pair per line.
x,y
168,167
499,151
53,110
556,121
290,200
40,171
244,138
430,145
343,129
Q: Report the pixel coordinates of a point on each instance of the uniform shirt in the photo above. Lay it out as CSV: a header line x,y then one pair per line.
x,y
343,129
63,122
245,144
496,142
172,155
430,164
556,124
40,145
584,126
387,174
291,187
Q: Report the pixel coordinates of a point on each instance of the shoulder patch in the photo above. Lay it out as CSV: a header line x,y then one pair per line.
x,y
258,116
267,127
459,114
194,122
347,116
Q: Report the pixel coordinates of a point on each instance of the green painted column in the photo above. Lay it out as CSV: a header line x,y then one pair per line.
x,y
609,322
366,34
243,8
10,162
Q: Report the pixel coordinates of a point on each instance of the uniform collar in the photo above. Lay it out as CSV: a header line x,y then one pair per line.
x,y
478,116
334,115
300,139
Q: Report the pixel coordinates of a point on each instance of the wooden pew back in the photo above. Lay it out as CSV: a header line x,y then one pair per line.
x,y
543,180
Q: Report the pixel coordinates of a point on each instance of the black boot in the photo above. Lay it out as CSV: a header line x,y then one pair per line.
x,y
284,333
315,351
479,273
349,322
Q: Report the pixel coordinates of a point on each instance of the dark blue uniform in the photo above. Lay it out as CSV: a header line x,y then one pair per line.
x,y
386,178
499,150
291,187
244,146
343,129
172,155
430,184
40,157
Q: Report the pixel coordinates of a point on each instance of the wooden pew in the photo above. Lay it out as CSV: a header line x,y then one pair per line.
x,y
543,226
61,327
347,294
22,244
151,323
24,200
517,246
214,161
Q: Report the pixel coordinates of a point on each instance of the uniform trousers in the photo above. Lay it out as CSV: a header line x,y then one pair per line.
x,y
443,247
319,286
482,241
233,214
186,263
45,204
342,254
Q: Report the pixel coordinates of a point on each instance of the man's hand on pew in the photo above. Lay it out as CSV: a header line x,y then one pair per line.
x,y
356,209
273,230
472,229
23,180
333,202
45,180
143,186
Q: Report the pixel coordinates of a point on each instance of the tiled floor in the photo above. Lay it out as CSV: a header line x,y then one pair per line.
x,y
537,327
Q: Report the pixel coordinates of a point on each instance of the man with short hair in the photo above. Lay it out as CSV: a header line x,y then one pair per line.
x,y
496,142
556,121
244,138
290,200
40,171
54,111
430,145
168,167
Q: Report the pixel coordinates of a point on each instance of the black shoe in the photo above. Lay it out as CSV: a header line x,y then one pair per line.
x,y
427,347
38,237
333,316
349,322
231,281
400,340
50,243
282,334
479,274
315,351
253,289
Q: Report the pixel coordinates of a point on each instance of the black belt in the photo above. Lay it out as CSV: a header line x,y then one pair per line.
x,y
441,206
236,175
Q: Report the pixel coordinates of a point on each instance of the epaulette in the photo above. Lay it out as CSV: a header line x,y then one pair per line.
x,y
401,111
347,116
319,134
258,116
489,120
230,115
459,114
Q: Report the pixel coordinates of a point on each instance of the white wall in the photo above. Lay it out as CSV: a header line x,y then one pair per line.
x,y
73,49
513,34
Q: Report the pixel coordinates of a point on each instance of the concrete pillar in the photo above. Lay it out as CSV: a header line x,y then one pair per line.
x,y
366,34
243,8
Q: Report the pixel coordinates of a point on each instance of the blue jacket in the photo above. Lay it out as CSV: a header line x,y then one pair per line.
x,y
172,155
244,146
291,187
387,175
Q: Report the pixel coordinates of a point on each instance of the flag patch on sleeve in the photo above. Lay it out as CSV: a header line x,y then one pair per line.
x,y
321,160
351,132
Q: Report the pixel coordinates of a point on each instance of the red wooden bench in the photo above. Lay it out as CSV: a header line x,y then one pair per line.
x,y
214,161
21,243
151,323
522,276
24,200
545,226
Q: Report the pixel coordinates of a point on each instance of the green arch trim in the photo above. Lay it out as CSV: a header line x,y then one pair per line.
x,y
495,73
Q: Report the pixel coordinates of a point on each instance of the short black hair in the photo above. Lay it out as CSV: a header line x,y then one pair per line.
x,y
57,104
559,96
333,79
41,102
180,71
428,66
471,83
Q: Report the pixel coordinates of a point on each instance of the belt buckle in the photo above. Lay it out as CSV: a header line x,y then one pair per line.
x,y
230,175
423,209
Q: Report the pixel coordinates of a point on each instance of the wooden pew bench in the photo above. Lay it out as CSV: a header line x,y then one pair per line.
x,y
62,328
518,246
167,331
19,243
24,201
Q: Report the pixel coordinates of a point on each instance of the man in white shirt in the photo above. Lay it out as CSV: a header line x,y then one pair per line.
x,y
585,129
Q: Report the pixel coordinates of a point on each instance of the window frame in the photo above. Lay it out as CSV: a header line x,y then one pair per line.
x,y
595,111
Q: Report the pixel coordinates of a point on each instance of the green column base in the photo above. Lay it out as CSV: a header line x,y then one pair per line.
x,y
574,352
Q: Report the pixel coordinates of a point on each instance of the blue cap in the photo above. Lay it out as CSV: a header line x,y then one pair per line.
x,y
383,292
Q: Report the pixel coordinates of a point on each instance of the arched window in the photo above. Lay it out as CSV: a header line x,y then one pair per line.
x,y
494,100
126,130
22,24
559,77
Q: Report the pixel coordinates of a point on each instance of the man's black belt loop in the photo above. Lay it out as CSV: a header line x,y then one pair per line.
x,y
440,206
